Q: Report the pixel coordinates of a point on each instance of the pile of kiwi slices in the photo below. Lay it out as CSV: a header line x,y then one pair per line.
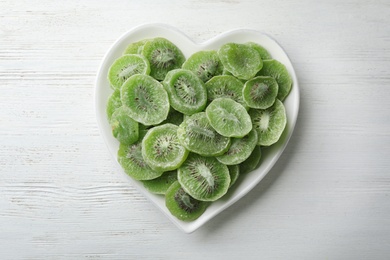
x,y
189,128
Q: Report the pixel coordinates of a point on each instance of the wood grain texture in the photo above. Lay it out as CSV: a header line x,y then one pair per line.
x,y
61,196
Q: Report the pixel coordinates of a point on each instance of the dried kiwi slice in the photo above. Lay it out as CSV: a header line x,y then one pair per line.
x,y
228,117
183,206
114,102
278,71
264,54
161,184
132,162
225,86
205,64
198,136
125,67
204,178
269,123
252,162
240,149
260,92
241,60
163,56
187,93
161,148
123,127
146,99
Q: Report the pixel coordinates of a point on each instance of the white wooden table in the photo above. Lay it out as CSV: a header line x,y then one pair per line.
x,y
61,195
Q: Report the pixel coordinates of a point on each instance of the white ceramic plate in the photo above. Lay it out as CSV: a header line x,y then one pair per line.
x,y
270,155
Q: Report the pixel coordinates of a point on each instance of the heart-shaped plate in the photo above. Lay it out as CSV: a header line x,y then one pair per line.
x,y
270,155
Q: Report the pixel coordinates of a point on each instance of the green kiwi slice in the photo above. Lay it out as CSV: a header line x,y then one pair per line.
x,y
187,93
264,54
163,56
234,172
204,178
125,67
228,117
240,149
183,206
123,127
205,64
135,47
198,136
161,148
278,71
132,162
146,99
269,123
161,184
252,162
114,102
241,60
260,92
225,86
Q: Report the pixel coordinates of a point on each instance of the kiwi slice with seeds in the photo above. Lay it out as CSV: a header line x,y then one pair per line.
x,y
163,56
198,136
114,102
264,54
161,184
123,127
241,60
269,123
280,73
252,162
204,178
260,92
182,205
132,162
205,64
240,149
125,67
228,117
161,148
146,99
187,93
135,47
227,87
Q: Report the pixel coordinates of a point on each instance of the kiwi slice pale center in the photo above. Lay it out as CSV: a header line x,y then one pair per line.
x,y
164,145
234,149
208,69
198,130
128,71
143,99
185,202
163,58
259,90
185,91
206,174
226,115
264,121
